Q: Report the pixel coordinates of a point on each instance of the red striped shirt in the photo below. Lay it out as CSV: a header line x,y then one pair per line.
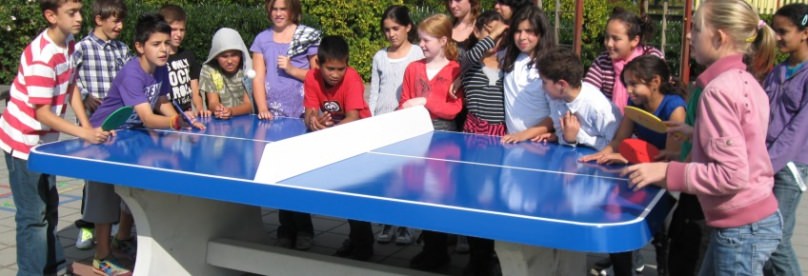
x,y
42,78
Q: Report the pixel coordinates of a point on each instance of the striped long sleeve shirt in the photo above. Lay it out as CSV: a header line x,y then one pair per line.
x,y
601,73
483,85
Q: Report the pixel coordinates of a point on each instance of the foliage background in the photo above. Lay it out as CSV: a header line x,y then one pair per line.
x,y
358,21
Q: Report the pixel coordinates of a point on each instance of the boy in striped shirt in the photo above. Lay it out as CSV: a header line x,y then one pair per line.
x,y
34,115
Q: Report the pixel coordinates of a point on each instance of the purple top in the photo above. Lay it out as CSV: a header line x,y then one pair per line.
x,y
787,138
284,92
132,86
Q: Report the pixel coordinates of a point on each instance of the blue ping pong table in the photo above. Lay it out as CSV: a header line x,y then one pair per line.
x,y
195,202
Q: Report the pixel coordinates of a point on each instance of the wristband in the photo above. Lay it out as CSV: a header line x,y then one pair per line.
x,y
174,123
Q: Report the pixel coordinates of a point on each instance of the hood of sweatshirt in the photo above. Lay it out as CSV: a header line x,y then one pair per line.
x,y
227,39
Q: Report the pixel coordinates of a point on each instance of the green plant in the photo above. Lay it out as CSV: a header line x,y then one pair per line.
x,y
20,22
596,13
357,21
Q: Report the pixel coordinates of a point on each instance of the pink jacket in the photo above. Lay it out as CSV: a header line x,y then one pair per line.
x,y
730,171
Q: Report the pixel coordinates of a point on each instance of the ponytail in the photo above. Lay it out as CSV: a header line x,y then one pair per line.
x,y
673,86
761,56
743,26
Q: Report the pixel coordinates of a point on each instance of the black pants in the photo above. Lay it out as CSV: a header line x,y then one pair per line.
x,y
293,222
437,243
361,234
687,237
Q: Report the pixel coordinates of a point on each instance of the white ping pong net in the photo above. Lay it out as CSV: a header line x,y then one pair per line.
x,y
297,155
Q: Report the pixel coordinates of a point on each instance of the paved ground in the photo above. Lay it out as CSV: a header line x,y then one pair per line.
x,y
330,232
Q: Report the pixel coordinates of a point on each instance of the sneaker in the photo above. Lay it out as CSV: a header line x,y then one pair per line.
x,y
639,262
639,268
303,241
386,235
462,245
403,236
110,267
127,248
85,239
601,267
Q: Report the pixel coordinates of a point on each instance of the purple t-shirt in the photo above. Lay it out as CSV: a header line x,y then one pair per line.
x,y
132,86
284,92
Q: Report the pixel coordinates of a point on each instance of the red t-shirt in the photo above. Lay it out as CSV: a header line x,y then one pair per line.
x,y
347,95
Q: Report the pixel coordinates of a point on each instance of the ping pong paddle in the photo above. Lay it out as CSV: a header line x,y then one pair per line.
x,y
645,119
637,151
182,114
116,118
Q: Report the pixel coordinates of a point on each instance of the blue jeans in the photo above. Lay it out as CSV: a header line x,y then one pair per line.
x,y
37,201
784,260
742,250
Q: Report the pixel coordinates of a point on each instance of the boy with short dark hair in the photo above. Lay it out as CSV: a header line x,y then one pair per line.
x,y
333,95
183,67
97,59
581,114
334,92
142,84
34,115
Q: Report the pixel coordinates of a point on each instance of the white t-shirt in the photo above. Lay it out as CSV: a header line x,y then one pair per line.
x,y
599,118
525,102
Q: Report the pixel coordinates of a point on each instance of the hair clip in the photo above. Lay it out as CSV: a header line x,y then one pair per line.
x,y
804,20
761,24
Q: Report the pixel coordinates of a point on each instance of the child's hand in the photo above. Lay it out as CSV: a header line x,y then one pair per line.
x,y
667,155
645,174
96,135
598,155
605,156
456,85
326,119
320,122
204,113
515,138
570,127
496,29
612,158
264,114
419,101
679,131
283,63
91,103
191,114
193,122
545,137
198,125
222,112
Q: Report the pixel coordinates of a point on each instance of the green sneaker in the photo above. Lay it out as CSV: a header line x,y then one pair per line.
x,y
110,266
85,239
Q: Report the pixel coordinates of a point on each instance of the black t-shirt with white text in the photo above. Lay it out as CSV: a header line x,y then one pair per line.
x,y
182,68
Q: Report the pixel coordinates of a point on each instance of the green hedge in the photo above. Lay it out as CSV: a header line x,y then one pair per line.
x,y
357,21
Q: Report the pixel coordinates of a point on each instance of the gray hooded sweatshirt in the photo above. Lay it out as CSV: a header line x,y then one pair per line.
x,y
228,87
